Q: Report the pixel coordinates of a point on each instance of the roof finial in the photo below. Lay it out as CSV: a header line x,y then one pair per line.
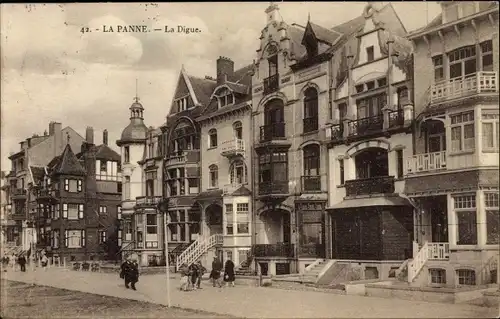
x,y
136,98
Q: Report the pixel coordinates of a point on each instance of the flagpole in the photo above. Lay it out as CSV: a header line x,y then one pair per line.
x,y
167,262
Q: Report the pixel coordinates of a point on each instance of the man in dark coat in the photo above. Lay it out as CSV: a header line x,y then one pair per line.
x,y
130,272
229,272
201,271
22,262
193,272
216,269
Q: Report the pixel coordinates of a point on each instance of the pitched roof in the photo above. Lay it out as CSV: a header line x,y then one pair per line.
x,y
324,34
103,151
38,173
295,34
68,163
202,88
242,191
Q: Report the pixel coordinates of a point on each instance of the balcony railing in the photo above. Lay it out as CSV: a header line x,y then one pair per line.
x,y
271,84
181,157
147,200
368,186
426,162
311,183
230,188
481,82
310,124
233,147
367,125
312,250
438,250
18,193
272,131
396,118
273,250
335,132
269,188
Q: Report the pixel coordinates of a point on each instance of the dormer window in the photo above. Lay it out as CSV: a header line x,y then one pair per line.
x,y
182,104
225,97
370,54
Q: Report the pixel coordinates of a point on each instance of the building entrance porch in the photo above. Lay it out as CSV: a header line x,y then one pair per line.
x,y
274,234
213,220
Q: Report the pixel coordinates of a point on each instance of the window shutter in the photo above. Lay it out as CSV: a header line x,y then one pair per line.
x,y
66,238
65,211
83,238
80,211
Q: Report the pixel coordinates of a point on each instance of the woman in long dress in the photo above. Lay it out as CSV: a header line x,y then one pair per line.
x,y
229,273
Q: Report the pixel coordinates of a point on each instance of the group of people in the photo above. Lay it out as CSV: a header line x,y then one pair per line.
x,y
191,275
13,260
130,273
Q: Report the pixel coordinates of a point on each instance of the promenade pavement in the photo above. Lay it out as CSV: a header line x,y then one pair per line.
x,y
249,302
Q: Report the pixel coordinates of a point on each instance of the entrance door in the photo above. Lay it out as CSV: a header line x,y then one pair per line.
x,y
286,229
439,220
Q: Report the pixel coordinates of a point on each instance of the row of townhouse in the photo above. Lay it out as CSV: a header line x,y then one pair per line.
x,y
359,143
62,202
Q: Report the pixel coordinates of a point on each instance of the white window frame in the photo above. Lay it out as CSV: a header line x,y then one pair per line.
x,y
55,238
213,176
119,212
438,67
242,209
223,97
491,205
211,133
182,103
229,210
232,172
67,238
462,61
103,210
493,120
79,185
102,236
460,204
460,120
483,54
80,211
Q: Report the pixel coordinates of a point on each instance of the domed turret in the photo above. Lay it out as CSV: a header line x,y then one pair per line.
x,y
136,130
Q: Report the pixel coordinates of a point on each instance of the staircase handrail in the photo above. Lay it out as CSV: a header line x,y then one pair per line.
x,y
418,262
194,251
488,266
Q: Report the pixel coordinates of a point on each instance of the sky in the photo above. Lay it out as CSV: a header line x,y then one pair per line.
x,y
50,71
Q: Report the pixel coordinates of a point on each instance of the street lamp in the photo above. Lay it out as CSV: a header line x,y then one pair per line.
x,y
163,207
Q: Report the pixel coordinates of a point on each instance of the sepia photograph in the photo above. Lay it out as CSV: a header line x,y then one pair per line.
x,y
250,160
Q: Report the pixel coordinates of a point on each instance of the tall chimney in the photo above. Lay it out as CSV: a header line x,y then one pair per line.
x,y
89,135
225,69
58,138
105,137
51,128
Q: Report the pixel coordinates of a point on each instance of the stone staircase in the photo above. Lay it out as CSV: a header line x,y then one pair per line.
x,y
311,276
244,269
198,249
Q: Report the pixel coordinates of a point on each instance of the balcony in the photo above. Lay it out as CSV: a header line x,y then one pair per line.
x,y
272,131
426,162
366,126
396,118
46,194
311,183
273,188
271,84
311,250
274,250
369,186
480,82
233,148
147,201
230,188
336,132
310,124
183,157
18,193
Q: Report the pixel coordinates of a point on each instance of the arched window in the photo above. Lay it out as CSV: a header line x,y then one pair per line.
x,y
183,138
238,130
212,138
214,176
238,173
310,110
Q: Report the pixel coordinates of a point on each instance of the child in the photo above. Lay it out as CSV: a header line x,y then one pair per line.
x,y
184,284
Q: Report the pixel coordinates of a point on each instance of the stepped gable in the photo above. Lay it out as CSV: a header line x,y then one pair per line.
x,y
67,163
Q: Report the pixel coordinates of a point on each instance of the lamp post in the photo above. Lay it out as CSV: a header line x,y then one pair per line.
x,y
163,207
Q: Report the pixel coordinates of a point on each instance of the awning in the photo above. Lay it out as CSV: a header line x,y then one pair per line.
x,y
372,201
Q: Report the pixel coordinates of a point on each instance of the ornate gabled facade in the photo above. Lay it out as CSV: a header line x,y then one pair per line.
x,y
371,221
76,199
290,99
181,168
452,175
225,147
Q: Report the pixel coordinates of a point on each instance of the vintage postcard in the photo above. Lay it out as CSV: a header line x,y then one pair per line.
x,y
250,160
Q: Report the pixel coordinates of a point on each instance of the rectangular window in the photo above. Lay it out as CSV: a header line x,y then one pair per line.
x,y
103,211
229,219
462,132
173,232
438,276
242,216
381,82
342,112
75,238
370,54
102,236
399,159
55,236
79,185
492,218
487,55
66,185
73,211
466,277
465,208
119,212
462,61
341,171
126,155
213,178
490,131
151,224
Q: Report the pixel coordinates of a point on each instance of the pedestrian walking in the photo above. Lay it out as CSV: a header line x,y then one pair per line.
x,y
215,274
22,263
184,282
44,262
229,272
201,272
193,275
130,273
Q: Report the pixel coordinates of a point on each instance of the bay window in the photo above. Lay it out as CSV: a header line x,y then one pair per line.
x,y
489,122
465,209
462,62
273,167
492,218
242,218
462,132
